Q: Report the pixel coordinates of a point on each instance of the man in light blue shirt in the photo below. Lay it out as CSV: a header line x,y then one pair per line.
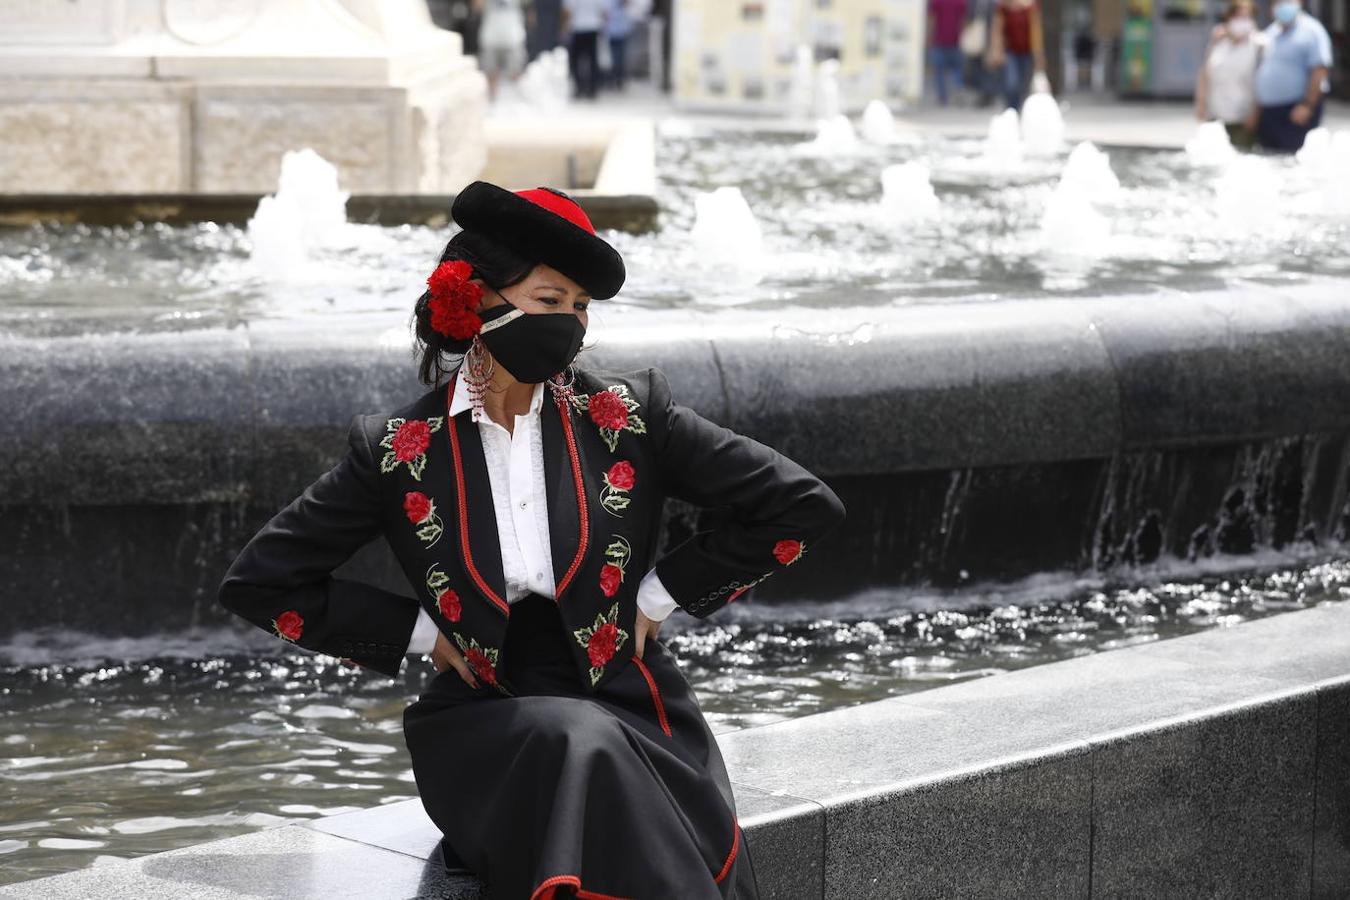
x,y
1291,78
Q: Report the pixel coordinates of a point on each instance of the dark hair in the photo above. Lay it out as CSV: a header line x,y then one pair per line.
x,y
496,265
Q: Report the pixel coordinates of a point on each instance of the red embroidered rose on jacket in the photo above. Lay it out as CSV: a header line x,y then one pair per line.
x,y
421,510
447,601
612,410
619,480
601,640
788,551
289,625
407,441
483,660
611,574
448,604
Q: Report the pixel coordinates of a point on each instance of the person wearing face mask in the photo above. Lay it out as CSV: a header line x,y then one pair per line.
x,y
1225,88
559,748
1291,78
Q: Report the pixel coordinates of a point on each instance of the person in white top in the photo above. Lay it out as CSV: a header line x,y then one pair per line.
x,y
501,40
1225,88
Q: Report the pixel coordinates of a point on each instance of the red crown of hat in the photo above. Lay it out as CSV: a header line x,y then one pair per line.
x,y
454,298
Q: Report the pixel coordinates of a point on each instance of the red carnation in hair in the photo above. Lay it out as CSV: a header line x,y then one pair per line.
x,y
453,300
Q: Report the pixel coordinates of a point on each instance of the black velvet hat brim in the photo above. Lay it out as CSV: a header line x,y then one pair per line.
x,y
540,234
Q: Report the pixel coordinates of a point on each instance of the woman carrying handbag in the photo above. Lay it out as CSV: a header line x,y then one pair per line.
x,y
559,749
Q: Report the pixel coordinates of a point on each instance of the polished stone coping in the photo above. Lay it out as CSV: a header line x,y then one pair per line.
x,y
251,412
1214,764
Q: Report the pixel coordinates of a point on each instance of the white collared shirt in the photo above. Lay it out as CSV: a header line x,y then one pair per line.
x,y
515,464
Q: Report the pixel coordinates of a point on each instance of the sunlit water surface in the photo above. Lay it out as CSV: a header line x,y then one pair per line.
x,y
828,240
115,748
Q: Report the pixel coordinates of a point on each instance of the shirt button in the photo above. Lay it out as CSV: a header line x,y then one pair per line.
x,y
524,503
539,575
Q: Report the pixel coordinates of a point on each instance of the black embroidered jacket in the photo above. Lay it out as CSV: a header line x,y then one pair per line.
x,y
611,456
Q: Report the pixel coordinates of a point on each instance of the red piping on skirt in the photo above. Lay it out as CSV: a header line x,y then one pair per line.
x,y
548,888
656,694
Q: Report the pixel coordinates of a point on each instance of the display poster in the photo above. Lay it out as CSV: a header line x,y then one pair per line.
x,y
743,54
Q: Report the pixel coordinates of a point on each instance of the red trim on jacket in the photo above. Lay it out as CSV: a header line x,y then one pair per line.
x,y
463,508
583,514
656,694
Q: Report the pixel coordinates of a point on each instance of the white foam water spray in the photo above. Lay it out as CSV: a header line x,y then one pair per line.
x,y
307,213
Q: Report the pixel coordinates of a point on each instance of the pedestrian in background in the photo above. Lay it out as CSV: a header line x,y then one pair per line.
x,y
1016,43
974,47
543,26
945,18
1225,88
1291,79
501,40
585,19
618,29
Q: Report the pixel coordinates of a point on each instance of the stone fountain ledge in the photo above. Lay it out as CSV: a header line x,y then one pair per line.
x,y
252,413
1211,765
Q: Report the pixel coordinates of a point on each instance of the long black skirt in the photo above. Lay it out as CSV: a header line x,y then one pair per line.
x,y
552,792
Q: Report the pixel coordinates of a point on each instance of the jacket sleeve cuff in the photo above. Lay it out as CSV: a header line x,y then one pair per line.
x,y
653,598
424,633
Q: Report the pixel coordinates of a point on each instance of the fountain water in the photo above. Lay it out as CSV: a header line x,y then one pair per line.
x,y
1003,145
1322,168
1042,122
725,235
1071,223
906,192
1210,145
308,212
802,90
827,103
878,124
545,82
833,135
1248,195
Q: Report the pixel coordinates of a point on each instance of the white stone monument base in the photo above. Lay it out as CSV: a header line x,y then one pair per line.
x,y
375,89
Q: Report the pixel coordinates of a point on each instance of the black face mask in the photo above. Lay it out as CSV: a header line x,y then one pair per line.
x,y
532,347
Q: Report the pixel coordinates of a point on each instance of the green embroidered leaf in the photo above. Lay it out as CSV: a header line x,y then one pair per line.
x,y
429,532
437,580
417,465
435,422
596,672
583,635
611,438
389,463
393,424
636,425
599,621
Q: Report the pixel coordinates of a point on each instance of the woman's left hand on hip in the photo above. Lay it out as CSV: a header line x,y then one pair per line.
x,y
645,628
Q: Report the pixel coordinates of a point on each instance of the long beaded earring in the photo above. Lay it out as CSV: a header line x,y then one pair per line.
x,y
477,376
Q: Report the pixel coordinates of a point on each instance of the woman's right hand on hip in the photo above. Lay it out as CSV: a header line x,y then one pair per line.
x,y
446,655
